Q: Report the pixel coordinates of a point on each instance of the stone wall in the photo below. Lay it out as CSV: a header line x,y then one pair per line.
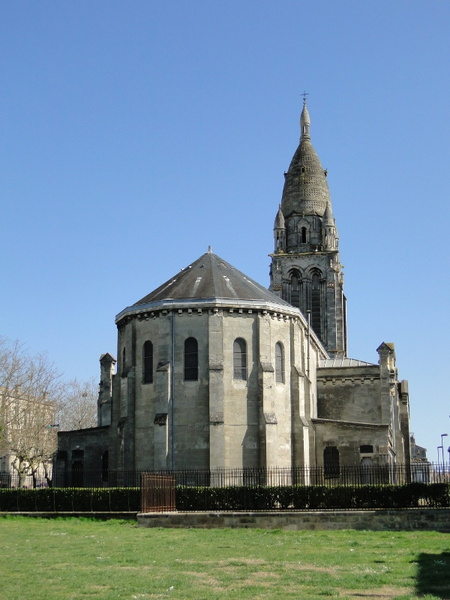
x,y
349,394
371,520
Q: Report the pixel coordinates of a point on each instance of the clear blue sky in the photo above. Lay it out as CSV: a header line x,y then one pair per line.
x,y
135,134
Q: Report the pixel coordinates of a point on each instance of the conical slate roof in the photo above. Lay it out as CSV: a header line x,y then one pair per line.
x,y
209,279
306,187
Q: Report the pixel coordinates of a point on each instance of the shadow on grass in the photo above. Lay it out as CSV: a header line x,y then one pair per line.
x,y
433,576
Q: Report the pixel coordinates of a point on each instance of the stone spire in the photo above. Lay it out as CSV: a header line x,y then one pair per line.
x,y
306,187
305,123
305,267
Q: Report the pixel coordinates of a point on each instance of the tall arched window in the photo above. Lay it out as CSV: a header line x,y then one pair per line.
x,y
279,362
315,305
147,362
191,359
303,235
331,466
295,289
240,359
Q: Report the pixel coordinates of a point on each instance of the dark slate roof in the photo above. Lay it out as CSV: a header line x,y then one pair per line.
x,y
211,278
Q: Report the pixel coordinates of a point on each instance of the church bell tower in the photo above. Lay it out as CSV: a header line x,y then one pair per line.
x,y
305,269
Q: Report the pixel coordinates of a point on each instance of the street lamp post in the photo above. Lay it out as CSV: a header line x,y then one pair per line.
x,y
439,454
443,435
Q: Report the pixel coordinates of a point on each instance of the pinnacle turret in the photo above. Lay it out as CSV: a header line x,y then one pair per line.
x,y
329,231
279,232
328,216
279,220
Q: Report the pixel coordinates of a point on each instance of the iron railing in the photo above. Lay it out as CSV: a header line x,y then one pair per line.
x,y
331,475
300,488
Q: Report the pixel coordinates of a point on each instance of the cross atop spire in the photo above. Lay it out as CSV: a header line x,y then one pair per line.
x,y
304,97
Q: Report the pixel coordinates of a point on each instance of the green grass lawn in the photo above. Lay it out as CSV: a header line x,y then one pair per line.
x,y
77,558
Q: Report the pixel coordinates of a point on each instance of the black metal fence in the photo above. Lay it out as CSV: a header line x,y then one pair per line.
x,y
331,475
345,488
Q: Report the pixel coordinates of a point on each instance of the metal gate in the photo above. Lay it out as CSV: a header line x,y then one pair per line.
x,y
157,492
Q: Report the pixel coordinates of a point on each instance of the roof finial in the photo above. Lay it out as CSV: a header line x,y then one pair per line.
x,y
209,250
304,120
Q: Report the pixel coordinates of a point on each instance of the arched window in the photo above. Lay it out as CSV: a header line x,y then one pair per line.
x,y
331,467
303,235
147,362
240,359
295,290
315,305
191,359
279,362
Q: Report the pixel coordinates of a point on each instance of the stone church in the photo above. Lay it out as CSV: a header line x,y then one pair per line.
x,y
214,370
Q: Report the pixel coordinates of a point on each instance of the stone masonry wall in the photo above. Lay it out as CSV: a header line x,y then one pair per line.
x,y
371,520
349,394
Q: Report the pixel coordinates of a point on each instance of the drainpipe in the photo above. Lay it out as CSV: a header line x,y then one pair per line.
x,y
172,395
308,312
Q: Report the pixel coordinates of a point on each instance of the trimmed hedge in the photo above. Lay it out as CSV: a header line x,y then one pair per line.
x,y
313,497
70,500
235,498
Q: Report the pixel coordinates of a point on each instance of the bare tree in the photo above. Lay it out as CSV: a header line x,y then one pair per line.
x,y
30,391
78,405
34,403
31,437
